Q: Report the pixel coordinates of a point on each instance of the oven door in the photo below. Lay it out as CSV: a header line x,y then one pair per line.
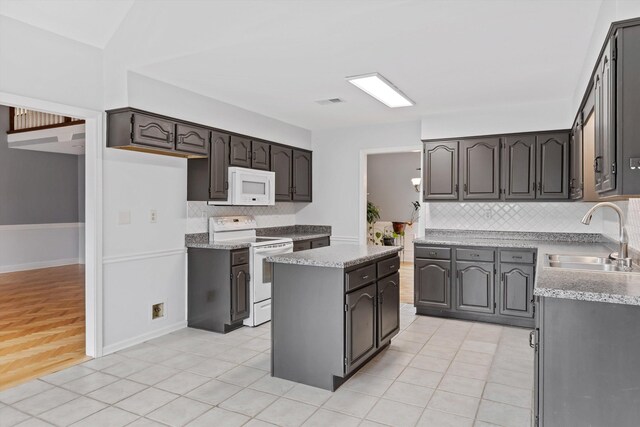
x,y
261,271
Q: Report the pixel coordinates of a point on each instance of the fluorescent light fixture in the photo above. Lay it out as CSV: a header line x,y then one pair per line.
x,y
381,89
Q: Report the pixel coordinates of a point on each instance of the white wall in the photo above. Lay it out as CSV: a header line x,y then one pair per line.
x,y
336,173
43,65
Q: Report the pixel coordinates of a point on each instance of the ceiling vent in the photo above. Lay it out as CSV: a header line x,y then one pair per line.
x,y
330,101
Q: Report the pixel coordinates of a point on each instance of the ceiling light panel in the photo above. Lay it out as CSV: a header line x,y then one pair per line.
x,y
381,89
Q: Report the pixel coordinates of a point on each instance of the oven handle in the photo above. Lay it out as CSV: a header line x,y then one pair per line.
x,y
275,251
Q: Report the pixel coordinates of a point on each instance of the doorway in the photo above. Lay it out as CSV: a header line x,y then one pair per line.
x,y
391,190
50,282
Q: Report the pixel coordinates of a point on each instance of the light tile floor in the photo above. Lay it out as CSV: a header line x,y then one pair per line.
x,y
437,372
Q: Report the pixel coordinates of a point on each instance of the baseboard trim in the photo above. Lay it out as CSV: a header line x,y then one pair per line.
x,y
345,239
112,348
13,227
39,264
143,255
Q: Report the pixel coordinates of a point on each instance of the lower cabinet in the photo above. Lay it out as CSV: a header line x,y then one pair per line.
x,y
303,245
372,310
474,286
217,289
485,284
432,283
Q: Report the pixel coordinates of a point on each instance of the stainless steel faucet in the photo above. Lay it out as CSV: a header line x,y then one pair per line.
x,y
623,253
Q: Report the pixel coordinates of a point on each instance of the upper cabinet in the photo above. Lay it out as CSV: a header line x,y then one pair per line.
x,y
508,167
260,155
604,164
281,163
131,129
301,191
480,169
553,164
576,184
440,175
519,165
240,152
219,166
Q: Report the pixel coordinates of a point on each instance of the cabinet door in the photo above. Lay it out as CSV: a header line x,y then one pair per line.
x,y
240,152
516,290
320,243
239,292
152,131
440,175
301,245
474,286
389,307
605,144
281,165
575,164
432,283
301,176
360,325
480,169
192,139
519,163
218,166
553,165
260,155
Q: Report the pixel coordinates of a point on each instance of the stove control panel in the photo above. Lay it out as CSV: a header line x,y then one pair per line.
x,y
231,223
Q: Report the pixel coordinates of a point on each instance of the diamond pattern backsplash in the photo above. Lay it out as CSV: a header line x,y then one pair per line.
x,y
563,217
198,214
631,209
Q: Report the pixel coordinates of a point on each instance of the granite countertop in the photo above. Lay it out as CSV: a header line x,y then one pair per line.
x,y
296,232
302,236
201,241
611,287
339,256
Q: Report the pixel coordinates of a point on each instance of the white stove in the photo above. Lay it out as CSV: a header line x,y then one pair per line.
x,y
242,229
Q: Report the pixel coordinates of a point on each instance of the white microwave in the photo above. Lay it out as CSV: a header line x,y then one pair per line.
x,y
250,187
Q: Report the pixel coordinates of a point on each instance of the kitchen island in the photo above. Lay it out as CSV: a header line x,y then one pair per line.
x,y
333,309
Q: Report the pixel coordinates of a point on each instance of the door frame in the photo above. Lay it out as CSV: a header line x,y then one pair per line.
x,y
362,210
94,143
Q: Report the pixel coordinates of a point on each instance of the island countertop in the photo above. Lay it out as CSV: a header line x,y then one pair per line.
x,y
337,256
611,287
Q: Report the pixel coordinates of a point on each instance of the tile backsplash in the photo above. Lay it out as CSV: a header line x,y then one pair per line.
x,y
562,217
266,216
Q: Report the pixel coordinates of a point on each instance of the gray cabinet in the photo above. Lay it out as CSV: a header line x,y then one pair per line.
x,y
360,325
480,169
260,155
240,152
474,286
432,283
240,292
440,175
303,245
388,307
301,169
152,131
605,143
218,166
519,166
472,291
281,163
553,164
192,139
217,289
576,184
516,290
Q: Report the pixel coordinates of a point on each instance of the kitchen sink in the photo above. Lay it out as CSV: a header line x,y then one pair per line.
x,y
585,262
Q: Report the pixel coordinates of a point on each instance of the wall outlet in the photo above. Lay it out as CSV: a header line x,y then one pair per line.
x,y
157,311
124,217
153,216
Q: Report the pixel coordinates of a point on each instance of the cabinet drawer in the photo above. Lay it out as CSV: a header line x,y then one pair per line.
x,y
388,266
320,243
524,257
240,257
432,252
475,254
301,245
356,278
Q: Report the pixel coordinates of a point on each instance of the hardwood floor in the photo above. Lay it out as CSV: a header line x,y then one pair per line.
x,y
42,322
406,282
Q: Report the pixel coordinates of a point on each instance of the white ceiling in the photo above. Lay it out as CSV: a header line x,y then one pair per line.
x,y
277,57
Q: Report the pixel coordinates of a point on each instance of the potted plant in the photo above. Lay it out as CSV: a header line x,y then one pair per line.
x,y
389,238
373,215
